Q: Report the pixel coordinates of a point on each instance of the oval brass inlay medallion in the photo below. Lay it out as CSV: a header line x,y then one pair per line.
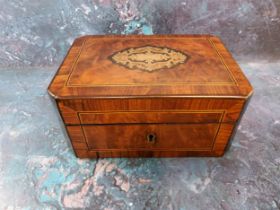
x,y
149,58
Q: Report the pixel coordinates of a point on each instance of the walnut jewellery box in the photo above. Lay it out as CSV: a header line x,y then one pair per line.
x,y
149,96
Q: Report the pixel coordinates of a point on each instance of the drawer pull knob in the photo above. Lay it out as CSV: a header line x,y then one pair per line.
x,y
151,138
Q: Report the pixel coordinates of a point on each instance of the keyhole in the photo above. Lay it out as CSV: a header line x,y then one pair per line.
x,y
151,137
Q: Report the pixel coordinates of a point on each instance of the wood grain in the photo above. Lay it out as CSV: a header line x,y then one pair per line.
x,y
198,109
136,137
157,116
88,72
130,140
149,96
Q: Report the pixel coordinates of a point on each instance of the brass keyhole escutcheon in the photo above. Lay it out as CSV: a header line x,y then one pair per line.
x,y
151,138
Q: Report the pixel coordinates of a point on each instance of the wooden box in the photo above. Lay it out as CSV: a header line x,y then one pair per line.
x,y
149,96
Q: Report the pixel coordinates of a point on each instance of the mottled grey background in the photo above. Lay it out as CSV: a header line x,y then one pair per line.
x,y
38,169
39,32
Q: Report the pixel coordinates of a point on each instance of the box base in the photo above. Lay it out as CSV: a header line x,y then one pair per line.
x,y
146,154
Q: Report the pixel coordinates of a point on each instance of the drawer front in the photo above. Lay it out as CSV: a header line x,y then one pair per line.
x,y
151,136
178,116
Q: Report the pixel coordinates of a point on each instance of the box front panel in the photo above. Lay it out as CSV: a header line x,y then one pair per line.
x,y
120,127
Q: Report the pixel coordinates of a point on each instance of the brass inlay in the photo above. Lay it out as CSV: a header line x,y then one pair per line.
x,y
149,58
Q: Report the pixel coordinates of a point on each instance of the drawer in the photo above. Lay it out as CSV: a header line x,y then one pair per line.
x,y
178,116
150,136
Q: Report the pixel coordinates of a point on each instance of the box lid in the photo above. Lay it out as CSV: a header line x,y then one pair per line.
x,y
122,66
